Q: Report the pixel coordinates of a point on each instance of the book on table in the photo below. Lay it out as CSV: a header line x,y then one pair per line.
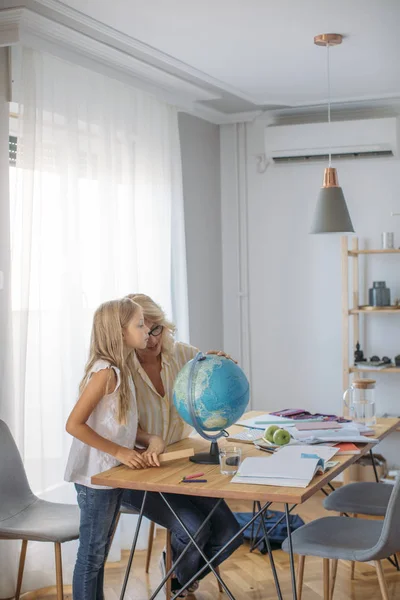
x,y
291,466
347,448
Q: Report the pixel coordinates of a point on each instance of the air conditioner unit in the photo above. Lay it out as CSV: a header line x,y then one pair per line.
x,y
367,138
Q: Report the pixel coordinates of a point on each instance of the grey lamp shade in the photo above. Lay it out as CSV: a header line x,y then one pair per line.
x,y
331,214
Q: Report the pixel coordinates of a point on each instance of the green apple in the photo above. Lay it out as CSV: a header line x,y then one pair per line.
x,y
281,437
269,433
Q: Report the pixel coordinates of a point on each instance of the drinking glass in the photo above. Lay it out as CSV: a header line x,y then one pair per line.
x,y
229,460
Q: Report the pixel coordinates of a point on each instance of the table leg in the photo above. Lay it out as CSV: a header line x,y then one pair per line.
x,y
193,541
129,565
171,570
208,562
374,465
271,558
256,544
291,556
252,527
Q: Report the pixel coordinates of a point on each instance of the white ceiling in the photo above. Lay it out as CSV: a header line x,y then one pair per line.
x,y
264,48
227,60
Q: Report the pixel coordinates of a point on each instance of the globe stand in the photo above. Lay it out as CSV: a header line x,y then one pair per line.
x,y
207,458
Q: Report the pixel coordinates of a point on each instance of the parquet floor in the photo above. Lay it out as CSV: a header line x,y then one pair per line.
x,y
249,576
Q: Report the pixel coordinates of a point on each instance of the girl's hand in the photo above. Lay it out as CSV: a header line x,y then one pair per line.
x,y
221,353
156,446
131,458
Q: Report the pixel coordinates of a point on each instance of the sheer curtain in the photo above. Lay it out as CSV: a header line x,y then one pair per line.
x,y
96,213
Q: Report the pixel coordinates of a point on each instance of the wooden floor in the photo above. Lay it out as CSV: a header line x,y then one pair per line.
x,y
249,576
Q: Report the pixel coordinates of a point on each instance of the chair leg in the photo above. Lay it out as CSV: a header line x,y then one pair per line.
x,y
326,577
220,588
22,556
59,577
381,579
333,577
168,564
352,570
150,545
353,564
300,576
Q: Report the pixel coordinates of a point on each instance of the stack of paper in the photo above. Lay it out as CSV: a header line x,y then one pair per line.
x,y
337,432
263,421
349,432
292,466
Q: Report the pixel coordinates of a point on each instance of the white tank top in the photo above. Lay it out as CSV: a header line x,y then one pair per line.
x,y
85,461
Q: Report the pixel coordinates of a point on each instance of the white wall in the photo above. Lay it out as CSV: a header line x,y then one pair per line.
x,y
295,341
201,189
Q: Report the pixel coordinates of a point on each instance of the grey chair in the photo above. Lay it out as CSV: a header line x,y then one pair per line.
x,y
341,538
23,516
360,498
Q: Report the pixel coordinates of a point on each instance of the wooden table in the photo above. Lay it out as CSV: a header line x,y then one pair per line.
x,y
166,479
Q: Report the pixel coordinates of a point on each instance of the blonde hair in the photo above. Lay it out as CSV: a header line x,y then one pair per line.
x,y
106,343
153,312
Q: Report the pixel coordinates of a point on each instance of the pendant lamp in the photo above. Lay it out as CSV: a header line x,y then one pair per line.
x,y
331,213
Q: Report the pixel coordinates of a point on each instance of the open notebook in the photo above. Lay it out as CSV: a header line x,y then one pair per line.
x,y
292,466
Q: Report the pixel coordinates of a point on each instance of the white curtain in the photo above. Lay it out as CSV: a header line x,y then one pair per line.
x,y
96,213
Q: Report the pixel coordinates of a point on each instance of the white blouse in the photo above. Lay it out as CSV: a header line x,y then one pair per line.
x,y
85,461
157,414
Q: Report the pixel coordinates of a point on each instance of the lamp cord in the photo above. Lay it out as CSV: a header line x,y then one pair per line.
x,y
329,103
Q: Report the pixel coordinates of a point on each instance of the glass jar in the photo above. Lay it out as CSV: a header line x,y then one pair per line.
x,y
361,403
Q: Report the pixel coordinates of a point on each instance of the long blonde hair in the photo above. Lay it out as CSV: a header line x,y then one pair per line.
x,y
153,312
106,343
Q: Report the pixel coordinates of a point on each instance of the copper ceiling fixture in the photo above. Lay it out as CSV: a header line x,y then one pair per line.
x,y
331,214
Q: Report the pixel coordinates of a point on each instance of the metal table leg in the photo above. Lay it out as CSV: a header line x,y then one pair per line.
x,y
291,556
374,465
129,565
269,530
207,561
271,558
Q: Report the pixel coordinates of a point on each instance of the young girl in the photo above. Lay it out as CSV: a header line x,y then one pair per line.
x,y
105,427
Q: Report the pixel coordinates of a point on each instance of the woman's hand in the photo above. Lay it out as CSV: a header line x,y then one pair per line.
x,y
156,446
131,458
221,353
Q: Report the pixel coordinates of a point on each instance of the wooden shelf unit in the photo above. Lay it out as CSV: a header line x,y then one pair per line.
x,y
356,252
356,311
366,311
372,370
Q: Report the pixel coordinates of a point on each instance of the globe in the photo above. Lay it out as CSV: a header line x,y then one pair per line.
x,y
211,393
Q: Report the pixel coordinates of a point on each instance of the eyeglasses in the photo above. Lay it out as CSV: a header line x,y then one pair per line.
x,y
156,331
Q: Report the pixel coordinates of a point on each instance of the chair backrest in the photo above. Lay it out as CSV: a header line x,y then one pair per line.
x,y
389,540
15,493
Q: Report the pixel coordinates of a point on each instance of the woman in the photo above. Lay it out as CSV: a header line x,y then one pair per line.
x,y
154,371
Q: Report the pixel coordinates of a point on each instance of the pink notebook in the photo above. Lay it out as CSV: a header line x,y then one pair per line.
x,y
318,425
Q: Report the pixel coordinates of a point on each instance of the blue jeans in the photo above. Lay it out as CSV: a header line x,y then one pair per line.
x,y
192,510
99,511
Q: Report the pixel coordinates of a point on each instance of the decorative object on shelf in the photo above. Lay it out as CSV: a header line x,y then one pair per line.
x,y
379,294
331,214
385,360
374,363
359,354
387,240
361,403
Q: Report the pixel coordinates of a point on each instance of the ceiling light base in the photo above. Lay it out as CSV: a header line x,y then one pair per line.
x,y
328,39
330,178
